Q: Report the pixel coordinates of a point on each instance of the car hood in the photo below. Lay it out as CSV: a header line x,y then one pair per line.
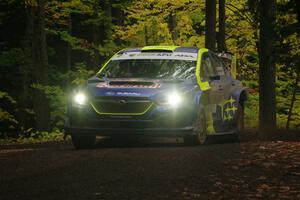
x,y
137,87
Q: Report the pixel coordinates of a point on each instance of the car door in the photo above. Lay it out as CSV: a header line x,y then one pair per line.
x,y
227,106
214,95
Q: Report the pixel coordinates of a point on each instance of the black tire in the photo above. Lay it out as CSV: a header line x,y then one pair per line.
x,y
190,140
200,130
240,124
240,118
84,141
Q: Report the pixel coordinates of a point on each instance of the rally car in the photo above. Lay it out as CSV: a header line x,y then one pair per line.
x,y
159,91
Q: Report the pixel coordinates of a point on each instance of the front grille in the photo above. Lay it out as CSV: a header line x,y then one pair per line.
x,y
121,105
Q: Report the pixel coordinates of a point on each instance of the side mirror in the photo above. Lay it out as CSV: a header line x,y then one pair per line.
x,y
215,77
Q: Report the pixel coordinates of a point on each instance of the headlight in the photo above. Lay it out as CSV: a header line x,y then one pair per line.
x,y
80,98
173,99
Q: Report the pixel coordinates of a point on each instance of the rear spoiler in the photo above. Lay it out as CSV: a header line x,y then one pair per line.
x,y
230,61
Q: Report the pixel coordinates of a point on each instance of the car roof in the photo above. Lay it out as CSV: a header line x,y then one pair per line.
x,y
161,49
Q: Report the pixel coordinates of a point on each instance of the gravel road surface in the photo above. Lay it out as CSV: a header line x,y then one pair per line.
x,y
161,169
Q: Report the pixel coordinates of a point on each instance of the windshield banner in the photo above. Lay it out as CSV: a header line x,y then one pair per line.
x,y
154,55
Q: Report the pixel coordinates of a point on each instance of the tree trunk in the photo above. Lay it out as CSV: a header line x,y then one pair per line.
x,y
69,48
221,33
146,35
210,24
25,69
292,102
108,13
172,26
267,103
40,67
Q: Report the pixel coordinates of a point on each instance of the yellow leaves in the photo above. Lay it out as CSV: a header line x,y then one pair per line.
x,y
30,3
148,20
58,12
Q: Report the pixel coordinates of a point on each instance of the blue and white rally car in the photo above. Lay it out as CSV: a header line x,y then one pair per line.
x,y
159,91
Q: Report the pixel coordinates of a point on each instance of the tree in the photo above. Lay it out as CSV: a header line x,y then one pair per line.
x,y
267,104
210,24
221,33
39,63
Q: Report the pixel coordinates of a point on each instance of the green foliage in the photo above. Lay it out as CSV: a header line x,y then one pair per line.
x,y
58,101
34,137
80,74
6,115
147,23
82,34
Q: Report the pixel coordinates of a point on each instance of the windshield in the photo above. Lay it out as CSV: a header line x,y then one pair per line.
x,y
150,68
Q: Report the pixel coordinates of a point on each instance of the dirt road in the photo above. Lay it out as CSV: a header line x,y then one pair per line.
x,y
145,170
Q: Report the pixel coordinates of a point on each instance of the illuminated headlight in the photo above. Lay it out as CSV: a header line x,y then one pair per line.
x,y
174,99
80,98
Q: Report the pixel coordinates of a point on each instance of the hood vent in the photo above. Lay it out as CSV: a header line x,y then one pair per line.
x,y
131,83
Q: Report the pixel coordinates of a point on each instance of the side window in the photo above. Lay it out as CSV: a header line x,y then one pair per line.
x,y
207,69
226,66
218,65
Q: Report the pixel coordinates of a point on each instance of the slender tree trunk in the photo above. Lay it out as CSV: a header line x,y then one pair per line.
x,y
292,102
172,25
221,33
119,14
24,94
108,13
267,103
210,24
96,41
146,35
69,49
40,67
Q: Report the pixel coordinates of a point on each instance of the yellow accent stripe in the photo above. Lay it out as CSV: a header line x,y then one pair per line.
x,y
166,48
203,85
103,66
101,113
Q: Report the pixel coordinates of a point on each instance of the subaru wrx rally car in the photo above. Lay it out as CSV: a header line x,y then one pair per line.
x,y
158,91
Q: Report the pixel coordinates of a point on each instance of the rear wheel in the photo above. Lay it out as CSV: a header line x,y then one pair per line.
x,y
240,118
84,141
240,125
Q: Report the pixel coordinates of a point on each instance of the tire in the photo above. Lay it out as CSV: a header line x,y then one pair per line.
x,y
200,130
190,140
240,124
84,141
240,118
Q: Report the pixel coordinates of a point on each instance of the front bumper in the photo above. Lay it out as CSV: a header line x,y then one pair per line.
x,y
156,122
123,131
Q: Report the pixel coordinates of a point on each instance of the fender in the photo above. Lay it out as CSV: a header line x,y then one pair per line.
x,y
241,95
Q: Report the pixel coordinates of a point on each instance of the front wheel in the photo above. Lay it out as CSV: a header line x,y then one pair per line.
x,y
200,130
84,141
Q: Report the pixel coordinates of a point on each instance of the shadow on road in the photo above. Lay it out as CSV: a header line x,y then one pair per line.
x,y
138,142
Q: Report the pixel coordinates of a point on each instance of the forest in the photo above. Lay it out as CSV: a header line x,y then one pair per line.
x,y
49,47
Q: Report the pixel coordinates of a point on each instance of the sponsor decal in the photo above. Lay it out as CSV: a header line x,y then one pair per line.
x,y
129,93
228,109
168,56
106,85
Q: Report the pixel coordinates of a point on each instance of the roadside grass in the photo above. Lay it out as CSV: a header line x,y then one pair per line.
x,y
34,137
